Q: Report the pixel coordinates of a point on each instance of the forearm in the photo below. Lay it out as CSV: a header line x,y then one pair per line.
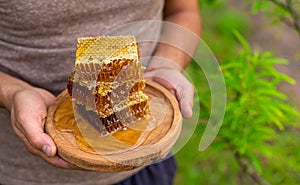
x,y
186,16
8,87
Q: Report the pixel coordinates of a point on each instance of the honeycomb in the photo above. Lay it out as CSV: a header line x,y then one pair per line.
x,y
107,82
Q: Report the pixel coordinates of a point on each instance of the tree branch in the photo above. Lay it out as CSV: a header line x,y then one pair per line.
x,y
288,6
278,3
294,14
252,173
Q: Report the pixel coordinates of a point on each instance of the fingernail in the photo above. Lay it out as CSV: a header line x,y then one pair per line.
x,y
47,150
187,113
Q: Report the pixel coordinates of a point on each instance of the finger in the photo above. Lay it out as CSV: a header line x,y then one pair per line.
x,y
185,107
178,85
185,96
55,160
159,78
34,132
166,84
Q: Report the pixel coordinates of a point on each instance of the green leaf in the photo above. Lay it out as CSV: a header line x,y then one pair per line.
x,y
272,93
263,84
260,120
290,112
270,61
243,41
286,78
255,161
232,81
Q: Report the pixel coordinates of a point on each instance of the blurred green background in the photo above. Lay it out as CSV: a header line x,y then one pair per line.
x,y
259,139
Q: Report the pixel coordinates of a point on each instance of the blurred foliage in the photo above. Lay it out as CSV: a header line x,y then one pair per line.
x,y
279,11
256,111
258,141
218,21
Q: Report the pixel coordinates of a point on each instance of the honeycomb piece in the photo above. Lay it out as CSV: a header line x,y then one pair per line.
x,y
113,97
107,81
105,56
108,97
103,50
132,70
116,121
92,72
111,108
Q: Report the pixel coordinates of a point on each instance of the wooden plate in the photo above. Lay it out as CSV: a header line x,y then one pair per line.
x,y
156,144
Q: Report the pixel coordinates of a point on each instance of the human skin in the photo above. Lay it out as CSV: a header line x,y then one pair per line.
x,y
168,72
28,105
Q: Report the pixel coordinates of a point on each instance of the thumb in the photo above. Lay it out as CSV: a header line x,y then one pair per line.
x,y
40,140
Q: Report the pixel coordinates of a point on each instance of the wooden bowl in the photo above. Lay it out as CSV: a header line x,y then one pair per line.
x,y
156,144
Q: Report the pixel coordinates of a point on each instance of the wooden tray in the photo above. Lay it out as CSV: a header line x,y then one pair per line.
x,y
156,145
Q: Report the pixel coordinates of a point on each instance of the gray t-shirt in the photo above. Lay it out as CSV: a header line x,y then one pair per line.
x,y
38,37
37,45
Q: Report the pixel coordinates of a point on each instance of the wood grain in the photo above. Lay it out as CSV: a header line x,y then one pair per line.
x,y
156,145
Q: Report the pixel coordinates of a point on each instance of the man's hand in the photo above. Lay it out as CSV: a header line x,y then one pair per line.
x,y
177,84
28,115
